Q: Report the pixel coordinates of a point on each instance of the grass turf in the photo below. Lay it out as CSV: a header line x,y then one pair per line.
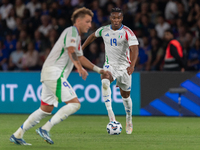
x,y
89,133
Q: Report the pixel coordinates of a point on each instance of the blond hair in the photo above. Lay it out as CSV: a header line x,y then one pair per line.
x,y
81,12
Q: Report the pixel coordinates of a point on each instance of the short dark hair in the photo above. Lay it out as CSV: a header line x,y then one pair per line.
x,y
116,9
81,12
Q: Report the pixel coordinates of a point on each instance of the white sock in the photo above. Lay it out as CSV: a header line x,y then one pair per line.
x,y
106,91
32,120
128,108
61,115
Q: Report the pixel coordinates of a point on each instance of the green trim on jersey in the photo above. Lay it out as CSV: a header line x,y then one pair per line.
x,y
107,59
65,39
74,32
62,51
59,85
100,31
59,90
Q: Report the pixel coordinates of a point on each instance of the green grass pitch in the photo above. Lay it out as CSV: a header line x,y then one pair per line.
x,y
89,133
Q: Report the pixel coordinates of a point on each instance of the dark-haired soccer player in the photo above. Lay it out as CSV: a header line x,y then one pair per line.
x,y
66,53
121,48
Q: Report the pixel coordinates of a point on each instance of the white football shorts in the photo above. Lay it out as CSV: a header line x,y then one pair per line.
x,y
123,78
55,91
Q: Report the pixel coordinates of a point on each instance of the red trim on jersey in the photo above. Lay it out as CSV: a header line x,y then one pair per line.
x,y
128,59
126,35
130,31
43,103
79,45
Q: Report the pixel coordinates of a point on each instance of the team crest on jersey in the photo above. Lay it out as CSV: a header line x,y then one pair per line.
x,y
120,35
72,41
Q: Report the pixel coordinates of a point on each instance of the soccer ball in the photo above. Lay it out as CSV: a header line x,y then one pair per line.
x,y
114,128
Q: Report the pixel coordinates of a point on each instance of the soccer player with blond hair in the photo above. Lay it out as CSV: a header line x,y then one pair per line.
x,y
66,53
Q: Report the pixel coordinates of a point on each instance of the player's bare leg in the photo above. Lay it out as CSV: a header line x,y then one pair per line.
x,y
128,108
31,121
71,107
106,79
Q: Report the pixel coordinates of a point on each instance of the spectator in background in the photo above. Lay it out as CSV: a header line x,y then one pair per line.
x,y
10,20
54,10
24,38
181,34
146,25
145,8
162,26
19,27
171,9
32,6
143,55
35,21
137,21
181,13
45,10
190,38
43,56
193,62
5,9
154,13
46,26
132,6
39,42
30,58
154,56
15,60
62,24
94,8
3,57
53,36
174,59
194,15
19,8
92,54
197,31
26,18
10,44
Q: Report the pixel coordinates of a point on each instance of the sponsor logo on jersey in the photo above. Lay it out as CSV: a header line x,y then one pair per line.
x,y
107,34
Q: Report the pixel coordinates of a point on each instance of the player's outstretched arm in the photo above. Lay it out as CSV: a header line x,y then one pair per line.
x,y
87,64
72,55
133,56
89,40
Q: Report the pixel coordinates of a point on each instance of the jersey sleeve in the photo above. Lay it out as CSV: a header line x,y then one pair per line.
x,y
99,31
71,38
79,51
131,38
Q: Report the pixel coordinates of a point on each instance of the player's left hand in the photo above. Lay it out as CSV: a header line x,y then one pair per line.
x,y
130,70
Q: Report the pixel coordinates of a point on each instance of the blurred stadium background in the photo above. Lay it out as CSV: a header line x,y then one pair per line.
x,y
30,28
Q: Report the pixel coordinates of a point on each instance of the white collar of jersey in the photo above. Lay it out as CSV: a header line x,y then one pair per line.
x,y
119,28
76,29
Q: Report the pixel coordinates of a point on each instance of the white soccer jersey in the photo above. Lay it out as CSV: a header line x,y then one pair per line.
x,y
117,45
58,63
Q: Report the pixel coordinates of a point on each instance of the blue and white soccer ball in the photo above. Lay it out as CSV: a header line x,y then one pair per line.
x,y
114,128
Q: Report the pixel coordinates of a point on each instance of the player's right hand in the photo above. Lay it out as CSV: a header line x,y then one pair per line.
x,y
82,72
